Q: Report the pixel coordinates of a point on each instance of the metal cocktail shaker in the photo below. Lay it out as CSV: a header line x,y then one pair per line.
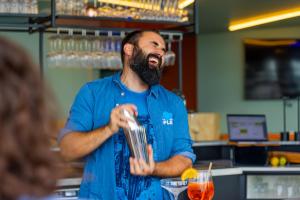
x,y
136,137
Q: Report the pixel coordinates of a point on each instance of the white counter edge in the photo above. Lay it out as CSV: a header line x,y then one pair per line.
x,y
270,169
68,182
227,172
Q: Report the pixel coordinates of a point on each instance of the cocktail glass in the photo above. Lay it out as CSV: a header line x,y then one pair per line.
x,y
201,187
174,186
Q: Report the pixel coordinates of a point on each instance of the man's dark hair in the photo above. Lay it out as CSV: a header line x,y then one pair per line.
x,y
133,38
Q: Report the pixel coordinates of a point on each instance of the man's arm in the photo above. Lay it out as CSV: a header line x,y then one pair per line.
x,y
172,167
169,168
78,144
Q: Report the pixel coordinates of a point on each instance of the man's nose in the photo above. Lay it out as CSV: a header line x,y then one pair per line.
x,y
160,52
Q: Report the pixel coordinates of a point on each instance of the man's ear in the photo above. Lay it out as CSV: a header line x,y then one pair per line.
x,y
128,49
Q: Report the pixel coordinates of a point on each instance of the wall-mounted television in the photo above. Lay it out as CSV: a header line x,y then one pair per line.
x,y
272,68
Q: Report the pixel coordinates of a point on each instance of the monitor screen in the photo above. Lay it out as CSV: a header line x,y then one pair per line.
x,y
272,68
247,127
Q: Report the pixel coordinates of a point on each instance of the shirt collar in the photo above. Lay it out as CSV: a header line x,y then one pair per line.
x,y
117,80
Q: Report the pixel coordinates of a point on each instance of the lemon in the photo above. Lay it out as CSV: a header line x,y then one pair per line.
x,y
189,173
282,161
274,161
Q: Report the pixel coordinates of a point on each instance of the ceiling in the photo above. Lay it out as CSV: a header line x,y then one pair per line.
x,y
215,15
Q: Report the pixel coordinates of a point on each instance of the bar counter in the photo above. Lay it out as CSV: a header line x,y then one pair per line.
x,y
236,183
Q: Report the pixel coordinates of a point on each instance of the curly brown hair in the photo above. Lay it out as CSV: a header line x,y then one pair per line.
x,y
27,166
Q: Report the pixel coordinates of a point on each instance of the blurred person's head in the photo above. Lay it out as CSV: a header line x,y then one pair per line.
x,y
143,52
27,166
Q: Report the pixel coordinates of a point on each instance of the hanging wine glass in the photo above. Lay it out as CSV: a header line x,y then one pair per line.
x,y
170,56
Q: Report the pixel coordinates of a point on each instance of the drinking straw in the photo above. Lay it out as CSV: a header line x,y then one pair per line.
x,y
206,185
209,168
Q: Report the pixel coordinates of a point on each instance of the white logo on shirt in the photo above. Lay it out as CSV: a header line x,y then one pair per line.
x,y
167,118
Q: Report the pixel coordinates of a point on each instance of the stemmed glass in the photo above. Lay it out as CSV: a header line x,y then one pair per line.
x,y
174,186
201,187
170,56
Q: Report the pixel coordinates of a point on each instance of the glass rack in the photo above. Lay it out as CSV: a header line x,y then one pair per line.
x,y
105,14
80,48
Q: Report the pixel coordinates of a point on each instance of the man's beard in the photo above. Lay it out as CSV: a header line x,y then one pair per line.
x,y
149,73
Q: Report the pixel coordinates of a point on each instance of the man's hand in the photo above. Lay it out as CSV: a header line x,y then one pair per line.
x,y
140,167
118,120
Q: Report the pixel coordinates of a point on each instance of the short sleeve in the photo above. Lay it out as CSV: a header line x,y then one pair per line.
x,y
182,143
81,113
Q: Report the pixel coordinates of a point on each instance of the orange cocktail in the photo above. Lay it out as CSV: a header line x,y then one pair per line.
x,y
201,187
201,191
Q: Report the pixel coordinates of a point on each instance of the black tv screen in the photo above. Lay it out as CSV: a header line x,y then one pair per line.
x,y
272,68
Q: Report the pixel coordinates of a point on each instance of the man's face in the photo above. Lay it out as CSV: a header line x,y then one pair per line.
x,y
148,58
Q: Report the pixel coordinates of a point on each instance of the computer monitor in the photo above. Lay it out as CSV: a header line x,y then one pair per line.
x,y
243,127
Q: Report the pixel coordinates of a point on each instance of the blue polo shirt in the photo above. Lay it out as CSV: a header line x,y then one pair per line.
x,y
166,121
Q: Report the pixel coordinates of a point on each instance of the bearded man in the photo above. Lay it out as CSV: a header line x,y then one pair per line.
x,y
94,129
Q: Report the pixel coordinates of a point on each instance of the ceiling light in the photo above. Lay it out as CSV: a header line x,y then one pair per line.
x,y
264,19
184,3
270,42
91,12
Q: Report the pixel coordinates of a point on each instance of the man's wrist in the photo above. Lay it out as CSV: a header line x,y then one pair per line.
x,y
108,130
154,173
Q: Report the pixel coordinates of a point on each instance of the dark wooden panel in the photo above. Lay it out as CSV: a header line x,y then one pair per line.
x,y
119,23
170,75
190,71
